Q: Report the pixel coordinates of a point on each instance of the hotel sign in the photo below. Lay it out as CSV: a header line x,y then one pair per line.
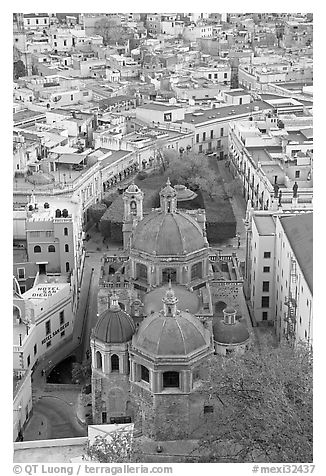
x,y
54,333
41,292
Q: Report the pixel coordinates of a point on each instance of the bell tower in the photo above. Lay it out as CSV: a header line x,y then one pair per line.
x,y
133,211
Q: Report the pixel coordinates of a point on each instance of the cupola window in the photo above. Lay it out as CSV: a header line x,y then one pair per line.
x,y
114,363
171,380
144,374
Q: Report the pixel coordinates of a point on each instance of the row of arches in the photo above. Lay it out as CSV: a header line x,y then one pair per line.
x,y
115,362
51,249
119,177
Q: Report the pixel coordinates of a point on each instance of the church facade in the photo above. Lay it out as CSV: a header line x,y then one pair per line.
x,y
161,319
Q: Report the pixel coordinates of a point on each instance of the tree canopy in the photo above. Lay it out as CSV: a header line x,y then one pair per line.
x,y
19,69
263,407
111,32
192,170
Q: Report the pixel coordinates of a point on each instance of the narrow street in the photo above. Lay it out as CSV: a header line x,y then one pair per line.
x,y
53,418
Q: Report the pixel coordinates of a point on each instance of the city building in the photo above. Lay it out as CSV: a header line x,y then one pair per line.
x,y
48,238
279,275
273,162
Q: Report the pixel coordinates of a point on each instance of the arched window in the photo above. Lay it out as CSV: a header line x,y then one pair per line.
x,y
144,373
170,379
133,207
65,231
197,270
67,248
51,249
98,362
67,267
114,363
37,249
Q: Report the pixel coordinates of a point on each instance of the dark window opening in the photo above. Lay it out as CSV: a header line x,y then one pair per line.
x,y
170,379
48,327
169,274
37,249
114,363
98,360
62,317
144,373
266,286
51,249
197,270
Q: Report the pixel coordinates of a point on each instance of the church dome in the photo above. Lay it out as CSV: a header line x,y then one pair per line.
x,y
159,335
168,234
114,326
230,333
171,332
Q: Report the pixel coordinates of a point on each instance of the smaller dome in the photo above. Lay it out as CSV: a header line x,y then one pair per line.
x,y
230,333
133,188
114,326
229,310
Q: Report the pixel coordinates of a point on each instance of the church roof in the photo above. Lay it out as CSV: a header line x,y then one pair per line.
x,y
168,234
114,326
162,335
187,300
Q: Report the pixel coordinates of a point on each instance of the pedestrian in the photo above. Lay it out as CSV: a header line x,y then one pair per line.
x,y
239,241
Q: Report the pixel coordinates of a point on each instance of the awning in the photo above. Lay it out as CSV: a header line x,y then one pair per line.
x,y
70,159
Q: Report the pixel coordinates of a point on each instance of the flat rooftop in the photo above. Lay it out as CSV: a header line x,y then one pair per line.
x,y
261,154
114,157
223,112
26,114
265,224
159,107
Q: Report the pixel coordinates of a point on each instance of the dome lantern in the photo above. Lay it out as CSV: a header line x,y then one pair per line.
x,y
168,198
170,302
229,314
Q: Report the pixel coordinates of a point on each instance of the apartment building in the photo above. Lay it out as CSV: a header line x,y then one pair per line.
x,y
211,126
274,164
48,238
35,21
279,272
